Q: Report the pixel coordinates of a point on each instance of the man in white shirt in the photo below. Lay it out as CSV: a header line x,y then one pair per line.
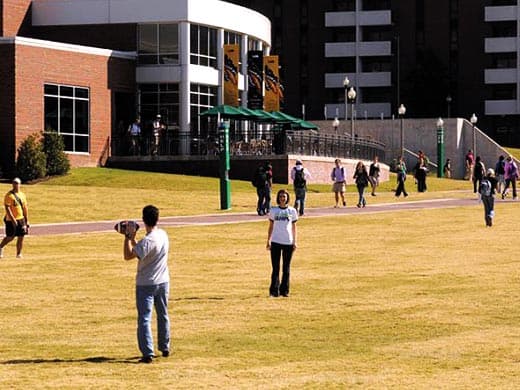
x,y
152,283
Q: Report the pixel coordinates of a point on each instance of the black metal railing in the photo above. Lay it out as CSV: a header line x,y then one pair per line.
x,y
309,143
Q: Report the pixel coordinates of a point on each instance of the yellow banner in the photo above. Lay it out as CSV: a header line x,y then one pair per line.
x,y
231,59
272,84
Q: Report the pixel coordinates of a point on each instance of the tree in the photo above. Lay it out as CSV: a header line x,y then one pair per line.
x,y
32,162
54,146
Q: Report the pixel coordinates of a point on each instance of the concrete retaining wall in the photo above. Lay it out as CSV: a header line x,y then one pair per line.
x,y
421,134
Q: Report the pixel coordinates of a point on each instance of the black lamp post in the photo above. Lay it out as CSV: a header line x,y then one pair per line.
x,y
401,111
473,121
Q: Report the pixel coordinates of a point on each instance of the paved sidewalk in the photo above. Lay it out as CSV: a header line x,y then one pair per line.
x,y
228,218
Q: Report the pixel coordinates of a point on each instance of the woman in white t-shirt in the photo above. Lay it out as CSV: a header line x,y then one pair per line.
x,y
281,241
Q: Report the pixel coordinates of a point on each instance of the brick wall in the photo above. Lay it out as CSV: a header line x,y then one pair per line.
x,y
7,138
16,17
102,75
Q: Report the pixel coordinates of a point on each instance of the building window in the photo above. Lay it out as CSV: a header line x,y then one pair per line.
x,y
203,44
158,44
160,99
202,98
67,111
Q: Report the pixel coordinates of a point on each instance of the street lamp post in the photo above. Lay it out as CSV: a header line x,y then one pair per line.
x,y
401,111
351,95
473,121
448,101
440,147
335,124
346,83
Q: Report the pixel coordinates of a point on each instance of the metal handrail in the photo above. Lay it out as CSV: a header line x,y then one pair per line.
x,y
269,142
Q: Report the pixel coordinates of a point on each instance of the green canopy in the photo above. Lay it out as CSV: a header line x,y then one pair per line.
x,y
224,111
282,117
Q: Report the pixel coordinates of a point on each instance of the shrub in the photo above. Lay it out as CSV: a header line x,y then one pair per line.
x,y
53,146
31,163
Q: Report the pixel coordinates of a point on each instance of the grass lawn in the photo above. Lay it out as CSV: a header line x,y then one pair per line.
x,y
105,194
411,299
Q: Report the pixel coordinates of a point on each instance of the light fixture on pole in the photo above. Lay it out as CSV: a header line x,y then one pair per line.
x,y
351,95
401,111
448,101
335,124
473,121
440,147
346,83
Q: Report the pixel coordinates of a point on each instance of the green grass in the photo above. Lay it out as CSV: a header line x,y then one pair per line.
x,y
88,194
410,299
423,299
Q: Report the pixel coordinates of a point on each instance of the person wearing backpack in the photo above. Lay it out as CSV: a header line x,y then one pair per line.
x,y
262,182
500,170
338,177
299,176
487,188
511,174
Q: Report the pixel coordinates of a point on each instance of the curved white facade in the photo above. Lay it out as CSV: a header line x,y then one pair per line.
x,y
215,13
192,71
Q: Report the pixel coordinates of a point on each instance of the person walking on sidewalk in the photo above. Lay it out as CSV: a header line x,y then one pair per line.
x,y
361,178
373,175
479,171
401,178
338,177
511,175
281,242
152,283
16,218
487,188
299,176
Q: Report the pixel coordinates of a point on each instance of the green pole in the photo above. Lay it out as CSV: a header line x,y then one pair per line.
x,y
225,187
440,148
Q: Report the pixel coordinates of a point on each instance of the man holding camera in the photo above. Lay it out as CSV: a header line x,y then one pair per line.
x,y
16,218
152,282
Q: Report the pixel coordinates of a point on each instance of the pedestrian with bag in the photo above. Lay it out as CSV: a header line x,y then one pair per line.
x,y
338,177
511,175
401,178
299,176
16,218
262,181
487,189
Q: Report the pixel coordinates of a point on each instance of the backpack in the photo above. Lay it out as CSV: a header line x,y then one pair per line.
x,y
485,187
299,179
260,178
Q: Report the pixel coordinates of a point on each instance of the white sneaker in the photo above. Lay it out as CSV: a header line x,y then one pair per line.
x,y
19,256
1,253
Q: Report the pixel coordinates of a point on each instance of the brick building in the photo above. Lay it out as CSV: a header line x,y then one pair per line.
x,y
87,70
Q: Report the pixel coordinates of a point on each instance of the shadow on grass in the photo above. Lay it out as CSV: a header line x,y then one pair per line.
x,y
96,359
199,299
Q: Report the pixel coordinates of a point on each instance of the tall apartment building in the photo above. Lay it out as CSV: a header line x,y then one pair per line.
x,y
437,57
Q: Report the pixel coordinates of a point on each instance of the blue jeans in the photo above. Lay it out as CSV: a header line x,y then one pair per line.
x,y
299,203
146,297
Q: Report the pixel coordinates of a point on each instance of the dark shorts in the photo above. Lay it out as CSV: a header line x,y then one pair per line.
x,y
20,230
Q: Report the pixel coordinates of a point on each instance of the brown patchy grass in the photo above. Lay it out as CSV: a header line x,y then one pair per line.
x,y
411,299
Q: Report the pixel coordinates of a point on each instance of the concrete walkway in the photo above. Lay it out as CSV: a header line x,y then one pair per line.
x,y
228,218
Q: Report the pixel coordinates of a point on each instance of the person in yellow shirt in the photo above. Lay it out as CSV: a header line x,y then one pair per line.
x,y
16,218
